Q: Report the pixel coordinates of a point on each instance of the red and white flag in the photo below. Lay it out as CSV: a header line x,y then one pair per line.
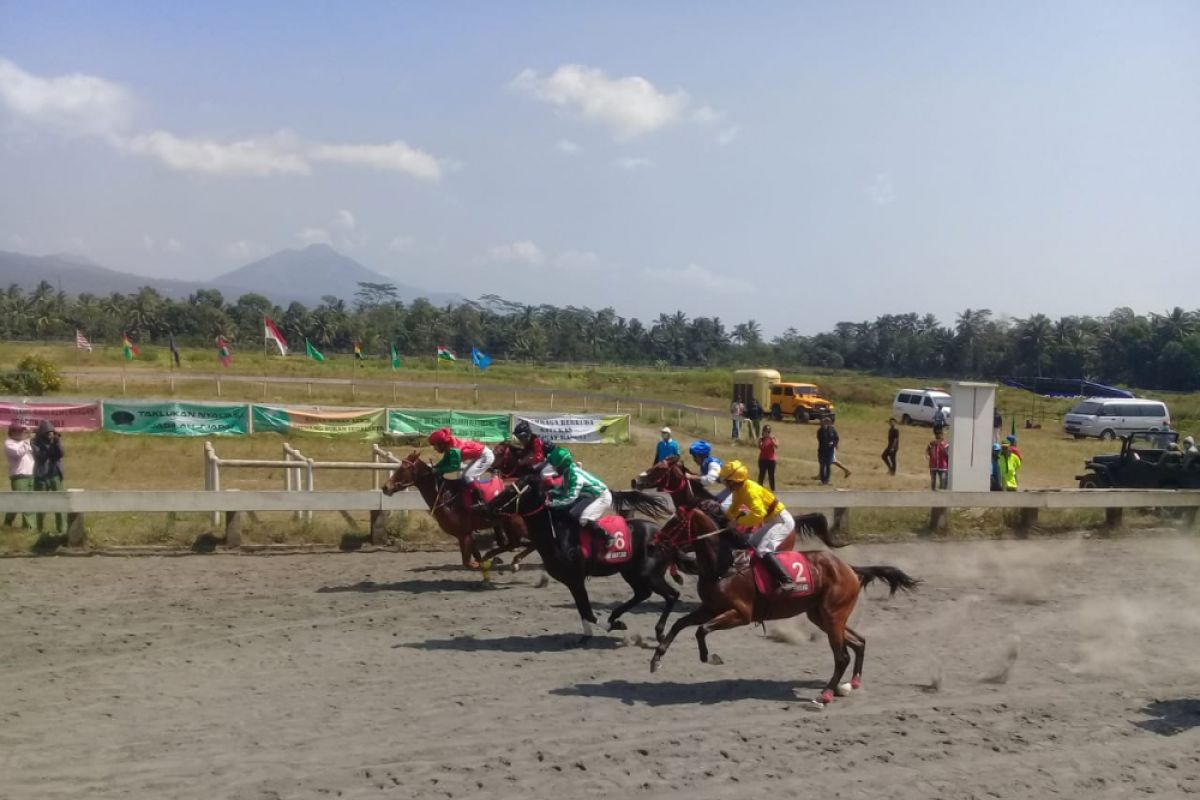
x,y
273,335
81,342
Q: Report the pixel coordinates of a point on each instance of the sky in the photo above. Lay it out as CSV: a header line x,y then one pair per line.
x,y
794,163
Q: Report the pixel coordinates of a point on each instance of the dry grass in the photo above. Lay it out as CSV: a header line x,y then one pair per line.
x,y
109,461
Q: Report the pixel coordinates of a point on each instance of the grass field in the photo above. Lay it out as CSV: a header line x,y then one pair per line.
x,y
110,461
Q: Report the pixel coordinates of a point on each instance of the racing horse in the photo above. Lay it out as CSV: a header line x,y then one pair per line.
x,y
734,592
640,564
454,518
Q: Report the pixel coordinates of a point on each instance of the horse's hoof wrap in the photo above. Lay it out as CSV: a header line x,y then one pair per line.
x,y
827,697
844,689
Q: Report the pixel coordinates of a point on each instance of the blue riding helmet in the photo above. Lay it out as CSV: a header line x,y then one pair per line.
x,y
700,449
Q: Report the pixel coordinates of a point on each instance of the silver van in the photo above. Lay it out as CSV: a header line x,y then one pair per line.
x,y
1108,418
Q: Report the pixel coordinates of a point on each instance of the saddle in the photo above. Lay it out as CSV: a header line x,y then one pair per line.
x,y
615,547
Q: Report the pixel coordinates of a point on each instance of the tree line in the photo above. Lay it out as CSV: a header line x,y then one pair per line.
x,y
1149,351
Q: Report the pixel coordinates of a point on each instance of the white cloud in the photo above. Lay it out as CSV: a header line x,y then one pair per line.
x,y
696,276
74,104
344,220
633,162
880,190
314,236
172,245
244,249
707,115
577,259
522,252
567,147
396,156
727,135
274,155
401,244
630,107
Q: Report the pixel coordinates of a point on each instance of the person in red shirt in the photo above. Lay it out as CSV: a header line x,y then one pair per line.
x,y
767,445
472,458
939,462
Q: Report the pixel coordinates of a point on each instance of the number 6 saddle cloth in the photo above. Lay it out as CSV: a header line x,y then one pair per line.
x,y
615,548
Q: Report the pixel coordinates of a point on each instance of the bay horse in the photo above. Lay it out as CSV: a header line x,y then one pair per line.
x,y
688,491
455,518
730,597
643,571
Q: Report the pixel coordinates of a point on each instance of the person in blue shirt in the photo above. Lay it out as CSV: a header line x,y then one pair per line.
x,y
666,448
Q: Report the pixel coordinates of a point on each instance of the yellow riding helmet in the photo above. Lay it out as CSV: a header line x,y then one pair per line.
x,y
735,471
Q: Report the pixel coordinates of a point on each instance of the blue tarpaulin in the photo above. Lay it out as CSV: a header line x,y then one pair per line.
x,y
1065,387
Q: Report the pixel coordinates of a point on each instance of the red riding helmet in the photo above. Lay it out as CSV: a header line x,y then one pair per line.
x,y
442,436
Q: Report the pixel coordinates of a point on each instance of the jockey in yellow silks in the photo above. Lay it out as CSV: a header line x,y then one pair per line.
x,y
755,508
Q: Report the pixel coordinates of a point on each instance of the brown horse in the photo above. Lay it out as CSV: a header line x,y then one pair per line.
x,y
730,597
688,491
456,519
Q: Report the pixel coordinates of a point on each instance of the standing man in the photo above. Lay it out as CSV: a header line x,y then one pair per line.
x,y
754,412
827,442
893,447
939,421
997,425
1008,465
737,411
939,461
666,447
20,468
47,468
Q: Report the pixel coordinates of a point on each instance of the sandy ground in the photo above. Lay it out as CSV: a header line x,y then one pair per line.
x,y
1063,668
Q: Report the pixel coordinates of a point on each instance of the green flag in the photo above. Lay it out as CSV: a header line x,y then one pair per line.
x,y
395,357
313,352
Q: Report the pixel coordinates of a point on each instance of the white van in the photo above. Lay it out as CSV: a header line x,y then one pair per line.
x,y
1110,417
913,406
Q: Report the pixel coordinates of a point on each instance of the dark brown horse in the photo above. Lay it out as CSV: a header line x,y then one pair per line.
x,y
730,597
644,571
455,518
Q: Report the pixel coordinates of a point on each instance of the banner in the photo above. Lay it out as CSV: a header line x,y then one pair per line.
x,y
175,419
580,428
465,424
66,417
365,424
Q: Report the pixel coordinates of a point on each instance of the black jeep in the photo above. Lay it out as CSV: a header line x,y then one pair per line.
x,y
1149,460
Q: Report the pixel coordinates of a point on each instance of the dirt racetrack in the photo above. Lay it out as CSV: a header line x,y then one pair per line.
x,y
1063,668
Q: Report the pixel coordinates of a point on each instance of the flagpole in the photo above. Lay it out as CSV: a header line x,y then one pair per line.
x,y
264,358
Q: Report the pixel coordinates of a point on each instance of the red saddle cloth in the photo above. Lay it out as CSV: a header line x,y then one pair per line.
x,y
797,566
483,491
615,548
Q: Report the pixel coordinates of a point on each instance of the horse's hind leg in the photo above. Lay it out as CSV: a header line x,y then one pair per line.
x,y
670,597
723,621
641,591
858,643
834,626
516,562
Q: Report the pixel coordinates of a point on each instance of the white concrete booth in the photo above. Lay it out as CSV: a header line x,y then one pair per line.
x,y
971,436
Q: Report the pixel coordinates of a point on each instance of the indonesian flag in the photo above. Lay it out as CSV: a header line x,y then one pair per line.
x,y
81,342
224,353
445,354
272,334
129,348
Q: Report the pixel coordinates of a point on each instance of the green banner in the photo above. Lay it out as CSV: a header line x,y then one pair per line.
x,y
175,419
465,424
358,423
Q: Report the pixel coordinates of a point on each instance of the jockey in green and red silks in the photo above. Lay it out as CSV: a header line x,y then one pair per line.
x,y
472,458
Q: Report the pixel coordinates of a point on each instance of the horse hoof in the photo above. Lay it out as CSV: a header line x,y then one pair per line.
x,y
654,664
856,682
715,660
617,625
844,689
472,565
826,696
516,566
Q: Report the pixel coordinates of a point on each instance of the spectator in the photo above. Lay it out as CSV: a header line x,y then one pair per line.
x,y
754,413
20,468
47,468
737,411
1189,445
893,446
939,461
997,425
827,442
767,445
666,447
939,421
1009,464
995,483
1012,443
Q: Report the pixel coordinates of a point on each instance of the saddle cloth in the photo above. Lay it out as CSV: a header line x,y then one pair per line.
x,y
615,548
797,566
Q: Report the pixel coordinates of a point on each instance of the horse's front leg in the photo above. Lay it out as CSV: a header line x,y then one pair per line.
x,y
697,617
583,604
723,621
670,597
466,546
516,562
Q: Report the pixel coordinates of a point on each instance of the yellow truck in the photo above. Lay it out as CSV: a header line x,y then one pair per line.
x,y
800,401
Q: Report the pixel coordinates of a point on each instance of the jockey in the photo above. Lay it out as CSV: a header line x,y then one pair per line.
x,y
583,493
472,458
534,448
755,507
710,465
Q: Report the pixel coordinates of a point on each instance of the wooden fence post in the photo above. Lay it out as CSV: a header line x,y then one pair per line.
x,y
1028,520
233,529
76,534
378,526
841,520
1114,518
938,520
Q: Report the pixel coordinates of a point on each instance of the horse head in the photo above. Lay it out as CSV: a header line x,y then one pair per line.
x,y
411,470
665,473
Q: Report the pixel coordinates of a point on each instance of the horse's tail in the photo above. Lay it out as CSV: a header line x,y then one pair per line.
x,y
651,505
896,579
818,526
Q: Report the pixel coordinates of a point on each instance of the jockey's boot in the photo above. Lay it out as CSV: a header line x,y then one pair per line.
x,y
778,571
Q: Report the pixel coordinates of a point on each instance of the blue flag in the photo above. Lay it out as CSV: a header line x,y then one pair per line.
x,y
480,358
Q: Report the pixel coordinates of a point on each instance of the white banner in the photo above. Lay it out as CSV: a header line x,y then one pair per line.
x,y
580,428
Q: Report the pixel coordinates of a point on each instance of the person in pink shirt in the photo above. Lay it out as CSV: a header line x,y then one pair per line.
x,y
939,462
